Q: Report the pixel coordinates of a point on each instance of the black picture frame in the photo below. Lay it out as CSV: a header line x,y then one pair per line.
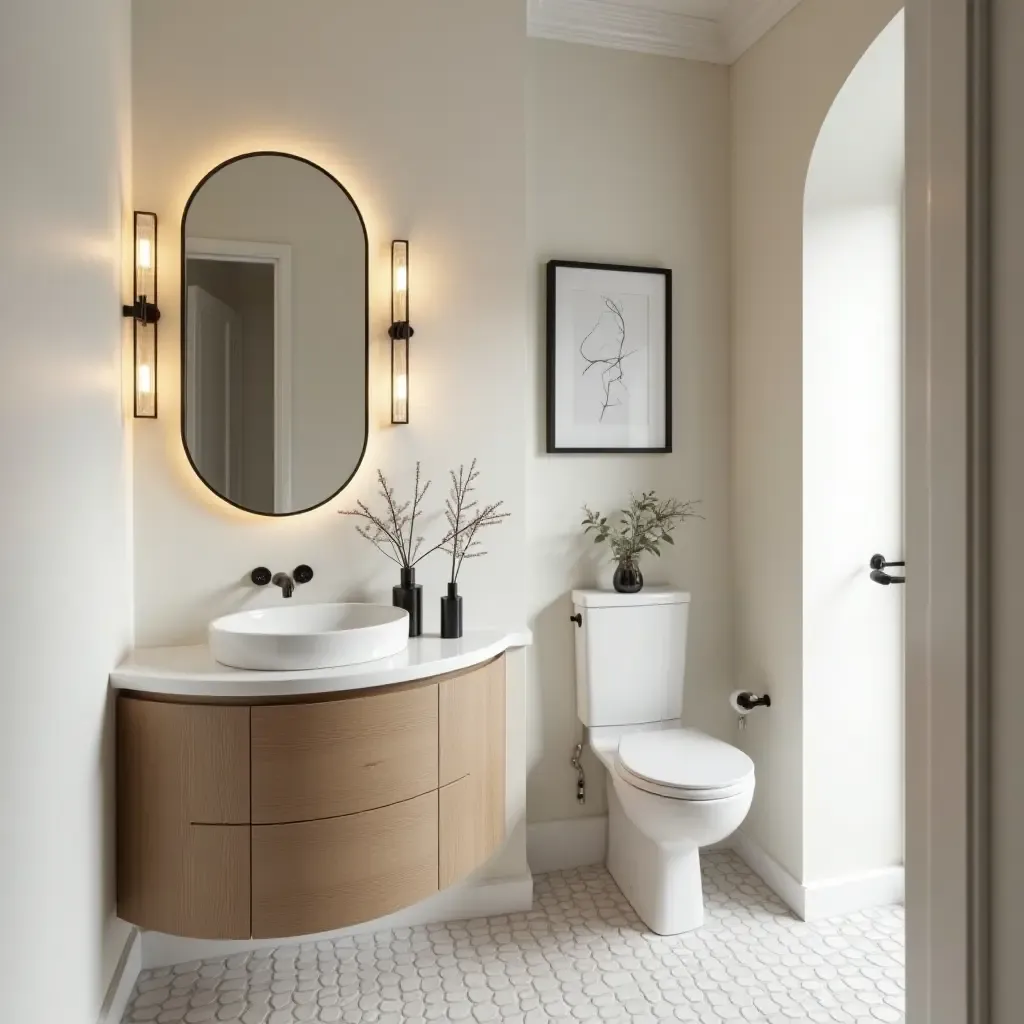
x,y
553,446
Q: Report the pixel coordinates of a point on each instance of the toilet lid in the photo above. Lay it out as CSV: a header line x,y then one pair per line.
x,y
686,761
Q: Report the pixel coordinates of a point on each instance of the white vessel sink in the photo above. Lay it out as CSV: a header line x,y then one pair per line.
x,y
309,636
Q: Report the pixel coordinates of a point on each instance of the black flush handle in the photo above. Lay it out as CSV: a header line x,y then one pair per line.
x,y
748,701
879,575
577,618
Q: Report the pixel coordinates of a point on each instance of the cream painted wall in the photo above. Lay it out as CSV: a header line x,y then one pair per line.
x,y
782,89
628,162
64,119
376,94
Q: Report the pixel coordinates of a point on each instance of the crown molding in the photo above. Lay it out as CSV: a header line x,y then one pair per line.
x,y
746,21
624,26
668,28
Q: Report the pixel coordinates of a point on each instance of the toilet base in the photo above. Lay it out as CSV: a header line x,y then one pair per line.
x,y
661,880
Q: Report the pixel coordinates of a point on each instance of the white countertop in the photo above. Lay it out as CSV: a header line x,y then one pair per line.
x,y
192,672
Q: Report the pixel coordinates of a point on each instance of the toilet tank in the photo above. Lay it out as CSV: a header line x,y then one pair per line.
x,y
630,655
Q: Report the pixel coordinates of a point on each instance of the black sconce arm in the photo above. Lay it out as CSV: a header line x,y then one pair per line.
x,y
144,312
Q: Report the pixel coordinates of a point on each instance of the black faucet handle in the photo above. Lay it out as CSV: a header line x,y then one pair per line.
x,y
302,574
260,576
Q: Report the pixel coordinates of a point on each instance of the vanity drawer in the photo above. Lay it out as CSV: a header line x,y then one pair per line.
x,y
189,762
472,770
182,820
332,758
317,876
472,723
195,884
471,825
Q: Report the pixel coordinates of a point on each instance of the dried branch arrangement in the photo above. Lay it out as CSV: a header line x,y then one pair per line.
x,y
393,531
466,518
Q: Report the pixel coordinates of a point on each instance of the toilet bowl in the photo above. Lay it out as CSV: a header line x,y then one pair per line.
x,y
671,789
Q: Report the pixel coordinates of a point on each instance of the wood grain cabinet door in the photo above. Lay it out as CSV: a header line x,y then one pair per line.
x,y
183,818
316,876
471,801
327,759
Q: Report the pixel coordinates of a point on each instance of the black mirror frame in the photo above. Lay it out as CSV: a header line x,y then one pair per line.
x,y
182,342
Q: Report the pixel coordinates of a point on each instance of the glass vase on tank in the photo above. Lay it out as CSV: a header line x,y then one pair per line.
x,y
627,578
646,524
466,518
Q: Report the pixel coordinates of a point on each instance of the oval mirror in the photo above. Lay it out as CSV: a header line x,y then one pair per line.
x,y
273,333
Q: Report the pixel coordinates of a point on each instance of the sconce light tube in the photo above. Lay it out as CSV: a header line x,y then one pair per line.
x,y
400,331
144,313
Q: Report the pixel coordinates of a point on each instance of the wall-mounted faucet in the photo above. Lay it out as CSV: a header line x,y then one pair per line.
x,y
285,582
261,576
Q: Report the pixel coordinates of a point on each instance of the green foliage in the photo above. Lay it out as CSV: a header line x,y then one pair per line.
x,y
642,528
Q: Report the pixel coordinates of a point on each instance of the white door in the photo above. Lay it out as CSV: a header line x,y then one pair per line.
x,y
213,330
853,477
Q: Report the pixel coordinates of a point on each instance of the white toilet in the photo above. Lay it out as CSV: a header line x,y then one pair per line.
x,y
670,790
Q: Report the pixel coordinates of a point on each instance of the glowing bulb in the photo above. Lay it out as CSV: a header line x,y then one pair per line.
x,y
401,387
145,379
401,278
145,254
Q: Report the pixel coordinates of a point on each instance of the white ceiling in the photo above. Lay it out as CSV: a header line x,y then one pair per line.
x,y
712,30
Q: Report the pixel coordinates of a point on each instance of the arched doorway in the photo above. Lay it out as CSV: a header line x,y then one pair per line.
x,y
853,480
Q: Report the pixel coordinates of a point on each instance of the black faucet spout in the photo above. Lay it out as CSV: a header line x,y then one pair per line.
x,y
285,582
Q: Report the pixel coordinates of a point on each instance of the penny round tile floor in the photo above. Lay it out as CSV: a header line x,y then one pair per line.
x,y
581,954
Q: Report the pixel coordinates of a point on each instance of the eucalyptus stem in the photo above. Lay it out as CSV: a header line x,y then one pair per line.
x,y
644,526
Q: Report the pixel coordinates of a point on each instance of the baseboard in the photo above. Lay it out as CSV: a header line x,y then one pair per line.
x,y
569,843
816,900
842,896
472,898
122,984
771,872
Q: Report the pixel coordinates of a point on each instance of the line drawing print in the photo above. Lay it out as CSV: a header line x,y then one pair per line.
x,y
613,376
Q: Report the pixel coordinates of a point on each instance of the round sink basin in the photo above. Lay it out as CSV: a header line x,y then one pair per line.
x,y
309,636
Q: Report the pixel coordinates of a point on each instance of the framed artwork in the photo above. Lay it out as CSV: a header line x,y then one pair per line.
x,y
609,338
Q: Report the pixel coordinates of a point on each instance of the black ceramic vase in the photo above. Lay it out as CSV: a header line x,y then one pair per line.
x,y
451,614
409,595
628,578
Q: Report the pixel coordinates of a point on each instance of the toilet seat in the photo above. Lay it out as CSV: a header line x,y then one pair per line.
x,y
683,764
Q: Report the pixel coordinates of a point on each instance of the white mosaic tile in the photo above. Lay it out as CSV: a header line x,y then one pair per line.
x,y
581,955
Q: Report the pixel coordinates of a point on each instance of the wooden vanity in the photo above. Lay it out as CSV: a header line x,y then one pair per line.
x,y
275,816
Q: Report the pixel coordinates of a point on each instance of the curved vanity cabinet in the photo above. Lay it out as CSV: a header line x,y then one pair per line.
x,y
284,817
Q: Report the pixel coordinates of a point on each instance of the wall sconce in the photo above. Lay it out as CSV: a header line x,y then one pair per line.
x,y
400,331
144,314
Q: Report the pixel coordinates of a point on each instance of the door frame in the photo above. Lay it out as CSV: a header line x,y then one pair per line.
x,y
280,257
947,480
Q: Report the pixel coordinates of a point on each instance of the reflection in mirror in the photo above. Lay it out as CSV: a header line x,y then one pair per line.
x,y
274,333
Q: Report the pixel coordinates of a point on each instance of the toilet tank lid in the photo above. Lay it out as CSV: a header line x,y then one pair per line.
x,y
613,599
